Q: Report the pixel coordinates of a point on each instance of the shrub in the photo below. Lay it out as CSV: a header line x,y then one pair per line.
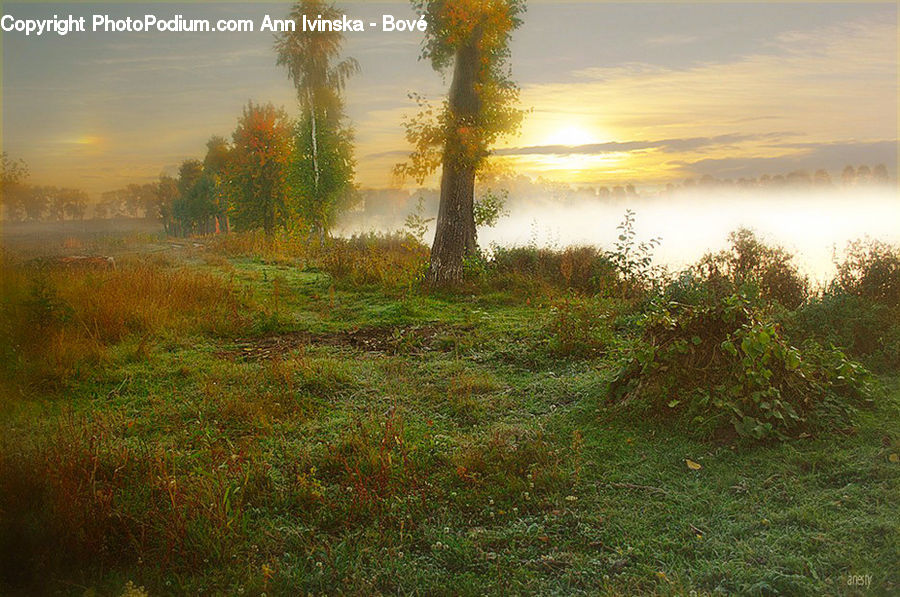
x,y
870,270
584,269
860,310
749,261
724,365
633,260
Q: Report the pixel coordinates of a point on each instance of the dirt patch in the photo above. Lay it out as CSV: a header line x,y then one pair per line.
x,y
413,339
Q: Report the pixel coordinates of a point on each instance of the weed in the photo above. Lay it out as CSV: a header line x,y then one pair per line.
x,y
722,365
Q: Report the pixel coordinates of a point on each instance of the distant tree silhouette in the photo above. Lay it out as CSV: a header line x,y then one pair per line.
x,y
13,176
822,178
799,178
848,176
166,195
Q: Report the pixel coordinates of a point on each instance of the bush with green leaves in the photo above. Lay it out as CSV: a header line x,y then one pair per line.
x,y
490,207
748,260
726,367
860,309
870,270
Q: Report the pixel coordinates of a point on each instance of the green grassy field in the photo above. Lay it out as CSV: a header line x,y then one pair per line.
x,y
212,423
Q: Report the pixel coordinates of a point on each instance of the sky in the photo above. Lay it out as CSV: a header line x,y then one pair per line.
x,y
642,93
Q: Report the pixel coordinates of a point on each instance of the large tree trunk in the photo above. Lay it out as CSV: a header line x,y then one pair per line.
x,y
454,236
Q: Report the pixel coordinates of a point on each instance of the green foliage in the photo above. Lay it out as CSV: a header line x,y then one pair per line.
x,y
750,261
475,267
416,224
871,271
257,173
311,59
633,259
320,184
860,310
199,198
580,326
490,207
481,31
724,364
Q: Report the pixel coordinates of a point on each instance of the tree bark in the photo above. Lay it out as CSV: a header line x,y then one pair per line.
x,y
454,237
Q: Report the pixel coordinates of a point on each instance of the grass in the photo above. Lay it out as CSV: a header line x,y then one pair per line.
x,y
248,418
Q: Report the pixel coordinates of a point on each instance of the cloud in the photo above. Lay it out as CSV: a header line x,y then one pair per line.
x,y
397,153
833,83
811,156
665,145
673,39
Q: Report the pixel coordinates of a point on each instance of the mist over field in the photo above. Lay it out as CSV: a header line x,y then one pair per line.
x,y
813,224
533,298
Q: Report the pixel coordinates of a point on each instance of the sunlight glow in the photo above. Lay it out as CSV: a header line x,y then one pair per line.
x,y
571,136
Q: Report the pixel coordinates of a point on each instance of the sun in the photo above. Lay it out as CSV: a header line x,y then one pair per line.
x,y
570,136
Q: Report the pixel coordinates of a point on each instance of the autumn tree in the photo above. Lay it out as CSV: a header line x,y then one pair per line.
x,y
321,171
257,171
472,37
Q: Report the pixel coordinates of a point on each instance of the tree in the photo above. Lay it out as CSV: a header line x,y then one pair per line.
x,y
64,203
35,202
848,176
320,188
863,174
184,211
473,36
166,195
74,203
322,166
13,174
215,168
257,171
822,178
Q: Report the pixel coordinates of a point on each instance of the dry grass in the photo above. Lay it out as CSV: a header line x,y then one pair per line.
x,y
388,260
56,319
79,496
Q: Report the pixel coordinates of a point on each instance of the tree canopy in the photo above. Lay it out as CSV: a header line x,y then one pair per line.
x,y
473,36
257,172
321,171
